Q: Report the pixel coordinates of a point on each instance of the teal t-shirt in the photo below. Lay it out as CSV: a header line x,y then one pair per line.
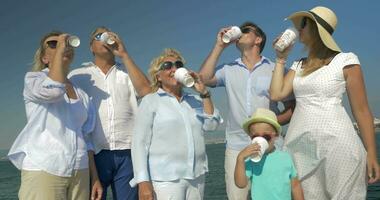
x,y
271,177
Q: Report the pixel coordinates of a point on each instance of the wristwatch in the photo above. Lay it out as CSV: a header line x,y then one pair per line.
x,y
205,95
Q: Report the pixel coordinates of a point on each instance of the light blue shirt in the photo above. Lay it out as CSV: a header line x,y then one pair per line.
x,y
54,128
246,91
168,141
271,177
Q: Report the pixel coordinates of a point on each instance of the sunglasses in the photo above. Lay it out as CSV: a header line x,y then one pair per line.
x,y
168,65
303,23
52,44
266,137
247,30
98,36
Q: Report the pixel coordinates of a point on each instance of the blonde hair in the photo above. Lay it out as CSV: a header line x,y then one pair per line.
x,y
156,64
319,54
38,65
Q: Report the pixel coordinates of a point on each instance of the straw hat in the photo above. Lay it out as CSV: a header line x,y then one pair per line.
x,y
326,21
262,115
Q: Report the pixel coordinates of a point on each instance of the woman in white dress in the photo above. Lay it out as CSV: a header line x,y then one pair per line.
x,y
329,155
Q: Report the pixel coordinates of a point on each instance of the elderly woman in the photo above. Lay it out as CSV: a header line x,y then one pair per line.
x,y
331,159
53,151
168,148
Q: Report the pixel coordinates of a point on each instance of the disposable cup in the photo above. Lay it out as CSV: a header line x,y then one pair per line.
x,y
106,38
263,147
231,35
183,76
73,41
287,38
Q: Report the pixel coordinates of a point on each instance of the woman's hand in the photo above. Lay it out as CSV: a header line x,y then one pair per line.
x,y
373,169
146,191
199,86
282,54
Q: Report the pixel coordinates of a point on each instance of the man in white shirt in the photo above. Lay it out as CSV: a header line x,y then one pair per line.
x,y
114,93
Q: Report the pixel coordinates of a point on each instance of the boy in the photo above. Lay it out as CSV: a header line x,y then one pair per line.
x,y
274,176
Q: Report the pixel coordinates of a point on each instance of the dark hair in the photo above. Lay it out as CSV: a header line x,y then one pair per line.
x,y
258,31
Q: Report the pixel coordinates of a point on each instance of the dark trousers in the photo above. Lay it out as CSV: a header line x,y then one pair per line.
x,y
115,169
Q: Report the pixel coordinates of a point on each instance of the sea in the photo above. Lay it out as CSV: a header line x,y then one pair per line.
x,y
215,185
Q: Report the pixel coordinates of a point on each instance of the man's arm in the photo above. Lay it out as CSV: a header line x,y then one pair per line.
x,y
285,116
139,80
207,70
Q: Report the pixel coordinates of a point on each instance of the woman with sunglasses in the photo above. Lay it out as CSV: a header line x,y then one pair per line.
x,y
53,151
168,149
332,161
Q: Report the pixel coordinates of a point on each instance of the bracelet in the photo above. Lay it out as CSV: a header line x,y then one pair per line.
x,y
205,95
281,61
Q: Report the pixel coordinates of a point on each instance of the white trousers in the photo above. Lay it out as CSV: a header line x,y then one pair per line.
x,y
183,189
233,192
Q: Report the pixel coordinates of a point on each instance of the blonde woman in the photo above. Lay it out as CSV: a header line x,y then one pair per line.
x,y
329,155
53,151
168,149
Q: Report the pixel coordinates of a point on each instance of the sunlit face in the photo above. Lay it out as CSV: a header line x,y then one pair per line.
x,y
263,130
50,49
166,76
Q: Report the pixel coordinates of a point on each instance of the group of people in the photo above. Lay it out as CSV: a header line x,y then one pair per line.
x,y
105,124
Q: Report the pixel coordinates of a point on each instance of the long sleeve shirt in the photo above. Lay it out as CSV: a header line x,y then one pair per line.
x,y
168,139
115,101
56,137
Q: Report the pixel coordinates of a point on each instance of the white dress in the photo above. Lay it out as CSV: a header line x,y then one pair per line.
x,y
328,153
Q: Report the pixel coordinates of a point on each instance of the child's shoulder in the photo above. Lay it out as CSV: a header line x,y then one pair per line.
x,y
282,154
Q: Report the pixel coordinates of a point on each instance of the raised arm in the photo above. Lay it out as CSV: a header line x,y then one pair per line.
x,y
138,78
207,70
281,86
360,109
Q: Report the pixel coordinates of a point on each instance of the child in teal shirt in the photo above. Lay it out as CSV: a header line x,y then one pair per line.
x,y
274,177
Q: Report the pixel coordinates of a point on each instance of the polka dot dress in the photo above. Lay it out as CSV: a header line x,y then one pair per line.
x,y
329,155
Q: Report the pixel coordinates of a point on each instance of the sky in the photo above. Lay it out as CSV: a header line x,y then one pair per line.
x,y
147,27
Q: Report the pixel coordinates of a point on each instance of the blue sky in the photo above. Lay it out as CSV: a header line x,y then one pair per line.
x,y
147,27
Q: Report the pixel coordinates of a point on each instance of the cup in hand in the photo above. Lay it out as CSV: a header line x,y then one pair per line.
x,y
263,147
183,76
106,38
73,41
287,38
231,35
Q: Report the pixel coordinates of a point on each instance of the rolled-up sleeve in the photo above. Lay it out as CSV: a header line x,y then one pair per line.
x,y
41,88
211,122
142,136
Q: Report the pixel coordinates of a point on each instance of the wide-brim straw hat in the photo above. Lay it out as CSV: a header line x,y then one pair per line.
x,y
326,21
262,115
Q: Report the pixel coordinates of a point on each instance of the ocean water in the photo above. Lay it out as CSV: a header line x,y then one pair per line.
x,y
215,186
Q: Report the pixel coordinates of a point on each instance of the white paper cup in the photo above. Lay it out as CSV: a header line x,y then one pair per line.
x,y
264,146
106,38
231,35
73,41
287,38
183,76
